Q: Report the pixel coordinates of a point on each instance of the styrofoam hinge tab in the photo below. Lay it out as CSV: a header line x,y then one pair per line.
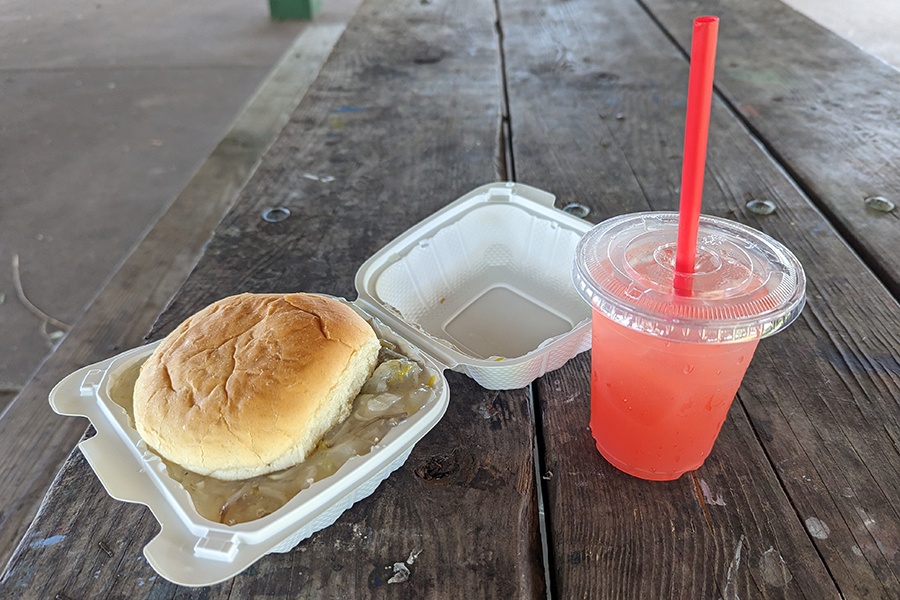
x,y
500,194
217,546
91,382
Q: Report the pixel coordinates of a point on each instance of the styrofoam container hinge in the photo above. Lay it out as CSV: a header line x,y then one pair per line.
x,y
216,545
91,382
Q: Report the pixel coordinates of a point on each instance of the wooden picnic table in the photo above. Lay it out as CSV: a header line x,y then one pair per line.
x,y
424,100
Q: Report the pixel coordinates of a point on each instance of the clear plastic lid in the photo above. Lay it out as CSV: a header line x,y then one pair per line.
x,y
746,285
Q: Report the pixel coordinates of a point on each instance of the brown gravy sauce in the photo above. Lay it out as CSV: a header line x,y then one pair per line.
x,y
397,389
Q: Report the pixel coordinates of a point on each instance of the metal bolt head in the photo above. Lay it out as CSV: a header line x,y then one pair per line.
x,y
275,215
880,204
577,209
761,207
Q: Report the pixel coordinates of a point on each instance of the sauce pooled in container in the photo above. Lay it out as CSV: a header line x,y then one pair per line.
x,y
397,389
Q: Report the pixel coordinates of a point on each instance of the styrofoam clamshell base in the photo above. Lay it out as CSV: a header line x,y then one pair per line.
x,y
191,550
482,286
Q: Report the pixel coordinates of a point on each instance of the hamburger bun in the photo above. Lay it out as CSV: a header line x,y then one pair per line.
x,y
250,384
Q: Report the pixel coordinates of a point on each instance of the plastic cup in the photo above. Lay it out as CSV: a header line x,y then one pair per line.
x,y
665,367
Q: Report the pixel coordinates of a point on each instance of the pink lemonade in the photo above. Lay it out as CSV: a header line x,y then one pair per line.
x,y
657,405
666,363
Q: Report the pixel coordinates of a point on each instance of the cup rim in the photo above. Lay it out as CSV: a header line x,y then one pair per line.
x,y
772,296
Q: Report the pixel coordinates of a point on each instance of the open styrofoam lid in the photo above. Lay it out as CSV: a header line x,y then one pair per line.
x,y
484,285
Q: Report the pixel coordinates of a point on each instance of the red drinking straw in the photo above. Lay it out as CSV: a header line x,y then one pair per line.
x,y
696,130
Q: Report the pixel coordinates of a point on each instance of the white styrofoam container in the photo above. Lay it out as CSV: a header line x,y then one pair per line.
x,y
191,550
481,287
484,286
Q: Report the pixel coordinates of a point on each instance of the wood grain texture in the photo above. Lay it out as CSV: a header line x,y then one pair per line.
x,y
597,101
823,107
404,118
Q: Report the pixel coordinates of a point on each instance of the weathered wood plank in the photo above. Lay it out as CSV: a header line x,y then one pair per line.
x,y
613,535
460,514
825,108
401,123
34,441
597,99
404,118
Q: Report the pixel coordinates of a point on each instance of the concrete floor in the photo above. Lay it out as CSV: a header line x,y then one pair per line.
x,y
873,25
107,111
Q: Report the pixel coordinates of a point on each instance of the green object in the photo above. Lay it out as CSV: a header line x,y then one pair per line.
x,y
283,10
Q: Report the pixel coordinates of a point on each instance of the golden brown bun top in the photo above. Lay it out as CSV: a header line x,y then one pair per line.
x,y
249,384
